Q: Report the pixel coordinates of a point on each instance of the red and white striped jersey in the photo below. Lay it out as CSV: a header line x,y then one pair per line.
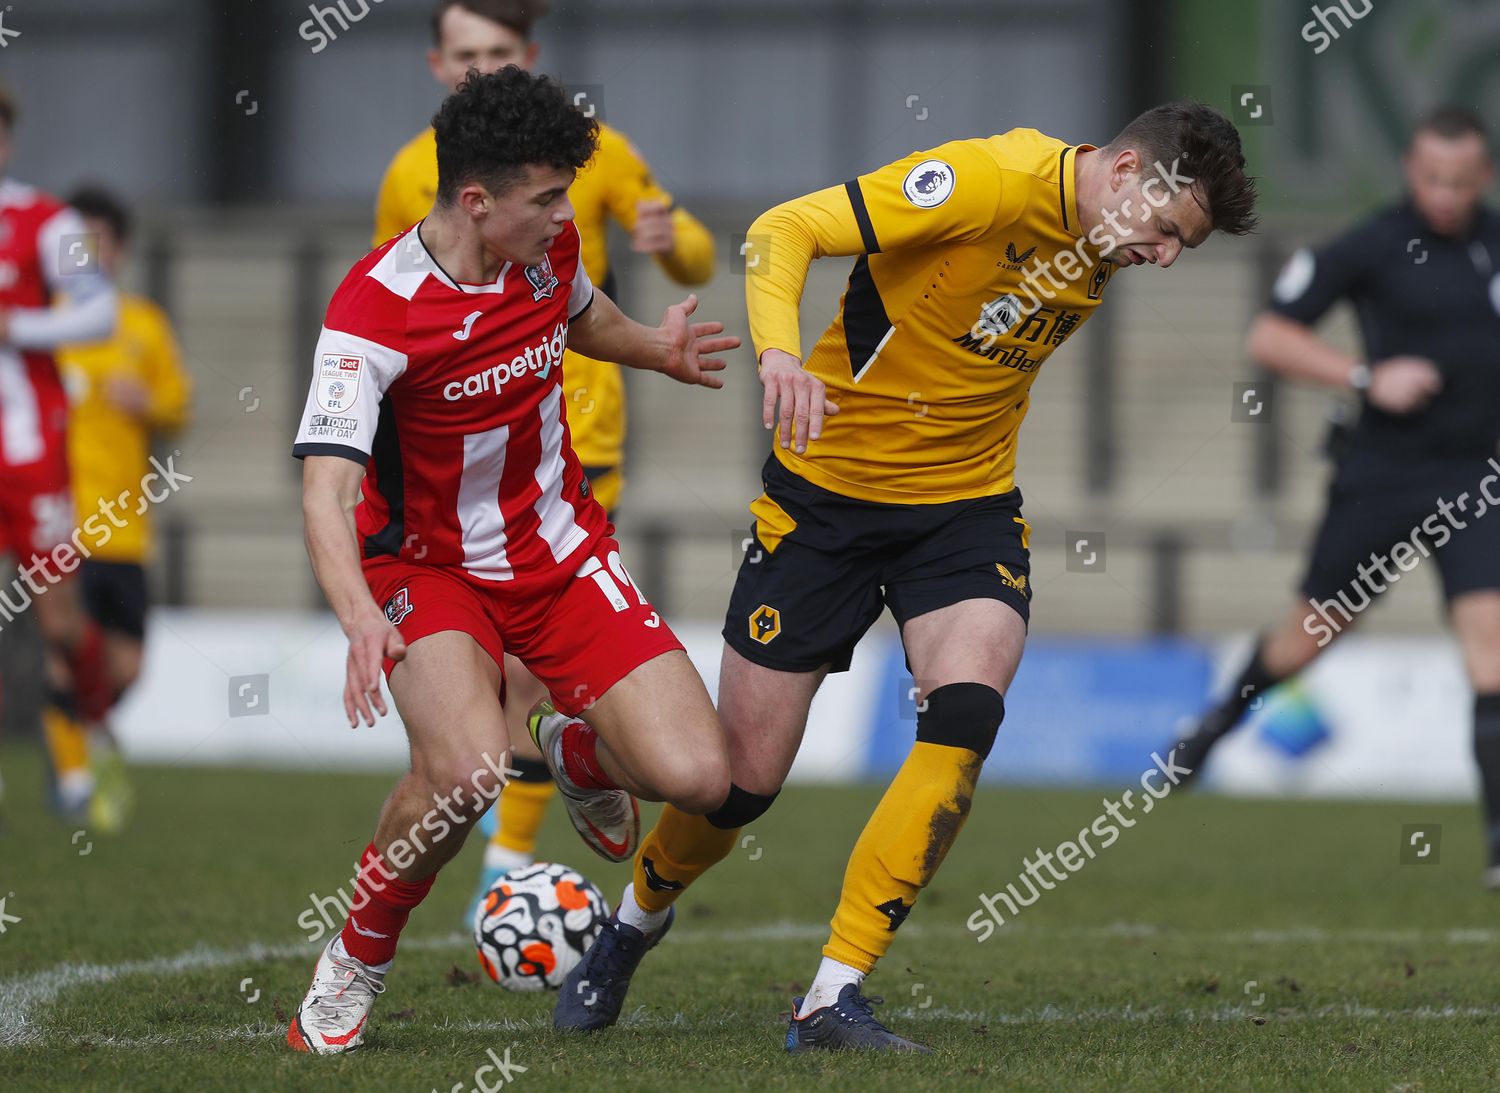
x,y
451,395
45,253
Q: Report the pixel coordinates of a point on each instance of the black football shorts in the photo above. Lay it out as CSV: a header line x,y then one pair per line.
x,y
819,567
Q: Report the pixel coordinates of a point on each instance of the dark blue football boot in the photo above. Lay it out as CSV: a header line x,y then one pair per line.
x,y
847,1025
594,992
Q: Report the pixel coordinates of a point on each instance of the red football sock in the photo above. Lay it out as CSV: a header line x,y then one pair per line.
x,y
580,757
382,903
92,690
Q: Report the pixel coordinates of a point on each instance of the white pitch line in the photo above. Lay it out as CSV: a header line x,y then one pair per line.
x,y
21,997
1047,1015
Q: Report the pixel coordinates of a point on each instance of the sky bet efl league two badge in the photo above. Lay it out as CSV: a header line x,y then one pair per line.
x,y
338,381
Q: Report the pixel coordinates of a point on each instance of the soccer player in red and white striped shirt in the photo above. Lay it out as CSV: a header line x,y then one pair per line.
x,y
449,522
52,292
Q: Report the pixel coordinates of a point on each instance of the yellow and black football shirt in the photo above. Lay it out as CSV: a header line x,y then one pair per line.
x,y
608,187
107,446
972,268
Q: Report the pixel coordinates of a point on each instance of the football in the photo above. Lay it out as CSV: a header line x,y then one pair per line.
x,y
536,924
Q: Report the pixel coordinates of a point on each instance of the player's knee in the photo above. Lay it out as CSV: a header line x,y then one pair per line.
x,y
962,715
740,808
455,787
697,789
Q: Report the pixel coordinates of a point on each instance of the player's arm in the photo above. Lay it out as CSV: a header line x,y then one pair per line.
x,y
85,306
1282,339
879,211
677,348
166,378
681,245
330,492
351,374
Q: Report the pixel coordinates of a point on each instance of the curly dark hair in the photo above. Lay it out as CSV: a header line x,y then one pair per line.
x,y
97,203
495,126
1206,145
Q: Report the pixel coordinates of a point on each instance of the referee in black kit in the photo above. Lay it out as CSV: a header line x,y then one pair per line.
x,y
1414,475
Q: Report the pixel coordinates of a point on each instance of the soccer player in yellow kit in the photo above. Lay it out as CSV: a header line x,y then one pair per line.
x,y
892,485
616,184
121,392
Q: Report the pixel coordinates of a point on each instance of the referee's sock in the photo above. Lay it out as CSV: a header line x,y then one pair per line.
x,y
1487,755
1249,688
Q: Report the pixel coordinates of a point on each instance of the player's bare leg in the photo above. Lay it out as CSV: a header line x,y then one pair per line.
x,y
122,657
1279,655
652,734
658,737
513,821
447,691
963,658
77,690
764,713
1476,623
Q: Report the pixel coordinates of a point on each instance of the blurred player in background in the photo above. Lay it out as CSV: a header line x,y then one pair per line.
x,y
123,391
52,292
974,262
449,522
617,184
1424,277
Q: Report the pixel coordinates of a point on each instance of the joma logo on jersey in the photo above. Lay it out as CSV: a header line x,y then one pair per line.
x,y
537,359
765,624
1017,261
542,279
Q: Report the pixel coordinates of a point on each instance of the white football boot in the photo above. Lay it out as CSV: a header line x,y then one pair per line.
x,y
608,820
332,1017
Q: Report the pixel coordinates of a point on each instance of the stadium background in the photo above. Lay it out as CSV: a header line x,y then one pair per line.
x,y
254,161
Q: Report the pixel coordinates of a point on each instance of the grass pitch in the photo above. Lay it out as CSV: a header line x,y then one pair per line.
x,y
1220,944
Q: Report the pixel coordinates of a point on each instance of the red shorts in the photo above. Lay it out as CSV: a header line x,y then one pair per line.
x,y
579,636
36,515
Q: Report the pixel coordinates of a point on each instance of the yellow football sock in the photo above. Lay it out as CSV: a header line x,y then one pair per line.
x,y
674,853
900,849
67,742
522,806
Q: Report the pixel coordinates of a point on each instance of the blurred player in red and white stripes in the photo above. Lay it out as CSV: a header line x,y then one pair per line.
x,y
52,292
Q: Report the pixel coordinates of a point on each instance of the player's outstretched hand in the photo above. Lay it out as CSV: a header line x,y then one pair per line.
x,y
687,344
1403,385
370,642
804,400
